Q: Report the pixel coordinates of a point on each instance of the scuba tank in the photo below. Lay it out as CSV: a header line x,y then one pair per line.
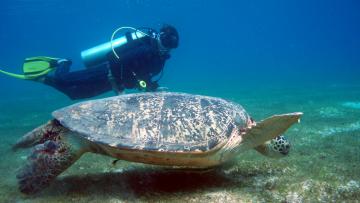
x,y
97,55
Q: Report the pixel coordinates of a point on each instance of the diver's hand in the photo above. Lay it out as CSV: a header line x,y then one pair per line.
x,y
162,89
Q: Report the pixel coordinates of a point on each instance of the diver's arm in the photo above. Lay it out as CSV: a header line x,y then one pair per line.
x,y
152,86
157,68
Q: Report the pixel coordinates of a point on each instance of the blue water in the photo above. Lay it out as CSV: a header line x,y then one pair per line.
x,y
270,56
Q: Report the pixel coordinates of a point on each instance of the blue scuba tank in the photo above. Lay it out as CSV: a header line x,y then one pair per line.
x,y
97,55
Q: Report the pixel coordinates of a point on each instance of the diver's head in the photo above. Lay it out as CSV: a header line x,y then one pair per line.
x,y
169,37
276,148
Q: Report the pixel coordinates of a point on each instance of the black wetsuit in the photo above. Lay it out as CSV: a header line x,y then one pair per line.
x,y
139,60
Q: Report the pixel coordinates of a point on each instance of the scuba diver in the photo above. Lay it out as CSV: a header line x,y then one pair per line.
x,y
128,62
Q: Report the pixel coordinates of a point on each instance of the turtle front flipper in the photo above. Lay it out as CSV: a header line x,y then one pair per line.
x,y
47,161
48,131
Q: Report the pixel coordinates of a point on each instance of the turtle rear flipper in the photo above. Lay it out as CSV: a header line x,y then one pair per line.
x,y
48,131
46,162
267,129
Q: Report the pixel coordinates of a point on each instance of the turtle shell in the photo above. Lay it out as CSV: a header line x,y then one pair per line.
x,y
155,121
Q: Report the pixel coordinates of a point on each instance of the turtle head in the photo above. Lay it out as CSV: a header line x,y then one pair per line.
x,y
275,148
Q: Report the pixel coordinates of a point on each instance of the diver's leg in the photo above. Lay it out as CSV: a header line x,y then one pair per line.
x,y
81,84
63,67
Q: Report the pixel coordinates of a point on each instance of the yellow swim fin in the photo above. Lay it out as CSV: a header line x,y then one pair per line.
x,y
35,67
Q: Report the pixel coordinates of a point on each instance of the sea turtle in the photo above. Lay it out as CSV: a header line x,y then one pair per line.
x,y
164,128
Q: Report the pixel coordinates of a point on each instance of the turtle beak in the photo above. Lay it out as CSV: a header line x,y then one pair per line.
x,y
284,153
